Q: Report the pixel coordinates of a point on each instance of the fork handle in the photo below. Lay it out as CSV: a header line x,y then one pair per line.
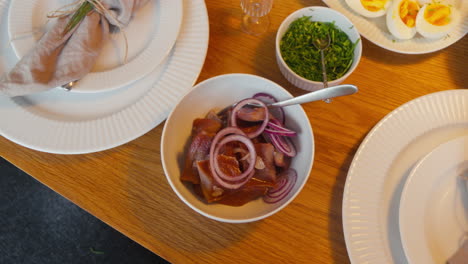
x,y
330,92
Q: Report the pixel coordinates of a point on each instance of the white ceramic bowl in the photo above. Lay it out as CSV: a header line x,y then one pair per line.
x,y
321,14
219,92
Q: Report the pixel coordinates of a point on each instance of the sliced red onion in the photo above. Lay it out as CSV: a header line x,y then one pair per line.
x,y
217,142
280,133
223,132
274,128
287,180
244,103
268,99
282,144
276,122
253,154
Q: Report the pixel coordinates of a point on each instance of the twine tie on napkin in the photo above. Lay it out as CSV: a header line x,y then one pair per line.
x,y
60,58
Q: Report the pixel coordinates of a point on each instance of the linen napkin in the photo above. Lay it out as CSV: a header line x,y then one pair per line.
x,y
57,60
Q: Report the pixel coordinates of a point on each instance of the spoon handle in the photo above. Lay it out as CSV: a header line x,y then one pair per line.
x,y
326,93
324,75
324,71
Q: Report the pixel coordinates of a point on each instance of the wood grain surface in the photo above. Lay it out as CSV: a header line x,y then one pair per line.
x,y
126,187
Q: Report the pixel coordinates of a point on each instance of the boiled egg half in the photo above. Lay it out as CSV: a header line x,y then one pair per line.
x,y
436,20
401,18
369,8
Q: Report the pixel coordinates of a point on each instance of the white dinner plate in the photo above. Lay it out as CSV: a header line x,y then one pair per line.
x,y
434,204
150,35
61,122
375,30
381,165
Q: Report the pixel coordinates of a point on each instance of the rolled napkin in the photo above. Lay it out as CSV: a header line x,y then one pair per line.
x,y
58,59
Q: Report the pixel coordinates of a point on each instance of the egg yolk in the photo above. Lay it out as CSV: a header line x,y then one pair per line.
x,y
437,14
373,5
408,12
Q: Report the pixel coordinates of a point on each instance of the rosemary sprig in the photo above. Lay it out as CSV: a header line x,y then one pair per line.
x,y
78,16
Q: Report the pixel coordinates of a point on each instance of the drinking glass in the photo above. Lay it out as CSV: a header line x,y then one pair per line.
x,y
255,20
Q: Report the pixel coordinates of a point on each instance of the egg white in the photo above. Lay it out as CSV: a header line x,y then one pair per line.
x,y
431,31
423,2
395,24
357,6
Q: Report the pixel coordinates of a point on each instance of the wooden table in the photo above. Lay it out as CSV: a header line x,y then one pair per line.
x,y
126,187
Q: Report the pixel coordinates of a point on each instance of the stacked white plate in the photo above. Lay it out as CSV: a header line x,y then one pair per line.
x,y
116,102
434,204
405,198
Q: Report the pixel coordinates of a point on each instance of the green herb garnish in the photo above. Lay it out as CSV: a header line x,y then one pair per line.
x,y
304,59
78,16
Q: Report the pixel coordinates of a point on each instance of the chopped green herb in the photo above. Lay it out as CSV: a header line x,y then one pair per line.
x,y
393,40
303,58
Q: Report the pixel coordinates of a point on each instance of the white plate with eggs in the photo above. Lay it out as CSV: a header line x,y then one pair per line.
x,y
387,25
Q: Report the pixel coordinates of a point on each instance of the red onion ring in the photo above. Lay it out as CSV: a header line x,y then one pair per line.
x,y
279,187
276,122
280,133
244,103
265,97
253,155
278,129
268,99
284,187
219,135
214,149
223,132
281,143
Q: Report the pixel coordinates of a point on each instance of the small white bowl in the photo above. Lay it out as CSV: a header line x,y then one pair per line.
x,y
217,93
321,14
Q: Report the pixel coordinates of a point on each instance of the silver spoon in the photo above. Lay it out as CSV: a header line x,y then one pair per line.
x,y
322,44
322,94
